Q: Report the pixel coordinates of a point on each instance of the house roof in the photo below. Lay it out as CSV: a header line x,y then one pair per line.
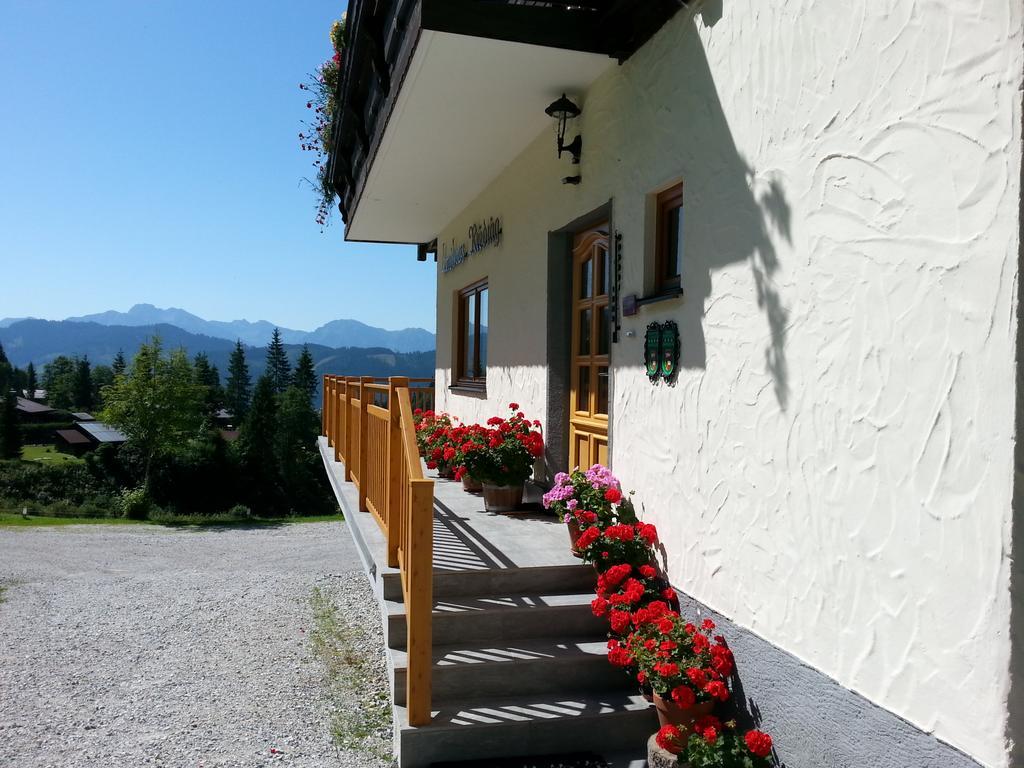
x,y
72,437
83,416
28,406
100,432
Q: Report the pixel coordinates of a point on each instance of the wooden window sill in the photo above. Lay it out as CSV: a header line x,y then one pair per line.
x,y
665,295
469,389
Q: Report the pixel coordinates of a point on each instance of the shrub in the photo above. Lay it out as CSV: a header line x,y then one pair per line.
x,y
135,504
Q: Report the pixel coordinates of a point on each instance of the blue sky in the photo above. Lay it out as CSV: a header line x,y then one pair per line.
x,y
149,153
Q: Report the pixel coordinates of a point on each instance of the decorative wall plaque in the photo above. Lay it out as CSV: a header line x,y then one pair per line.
x,y
661,351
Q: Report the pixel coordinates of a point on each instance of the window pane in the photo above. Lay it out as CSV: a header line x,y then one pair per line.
x,y
601,259
586,279
583,388
483,332
604,315
585,320
469,338
602,390
674,242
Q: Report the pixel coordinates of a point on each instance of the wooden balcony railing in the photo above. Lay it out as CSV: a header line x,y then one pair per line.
x,y
369,423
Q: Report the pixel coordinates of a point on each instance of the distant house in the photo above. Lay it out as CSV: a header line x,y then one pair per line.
x,y
82,416
229,435
34,412
98,433
72,441
224,419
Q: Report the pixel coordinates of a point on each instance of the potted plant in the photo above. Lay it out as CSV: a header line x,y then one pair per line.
x,y
513,446
470,444
687,668
438,445
714,744
427,424
584,499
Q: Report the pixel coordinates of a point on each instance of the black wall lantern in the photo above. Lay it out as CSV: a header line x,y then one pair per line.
x,y
564,110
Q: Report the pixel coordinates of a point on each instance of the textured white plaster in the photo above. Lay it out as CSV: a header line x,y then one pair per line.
x,y
833,467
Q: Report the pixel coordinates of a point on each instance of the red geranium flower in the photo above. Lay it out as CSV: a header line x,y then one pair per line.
x,y
759,743
709,727
717,690
614,495
684,696
670,739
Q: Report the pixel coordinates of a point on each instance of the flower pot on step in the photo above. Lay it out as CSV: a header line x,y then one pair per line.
x,y
502,498
470,485
445,472
574,534
670,713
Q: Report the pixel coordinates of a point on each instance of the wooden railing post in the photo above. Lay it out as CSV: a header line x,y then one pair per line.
x,y
396,467
361,463
349,426
337,404
325,417
419,605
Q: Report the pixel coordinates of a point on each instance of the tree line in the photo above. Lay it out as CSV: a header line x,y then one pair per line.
x,y
168,406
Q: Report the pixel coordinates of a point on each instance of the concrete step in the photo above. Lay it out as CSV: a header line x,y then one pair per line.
x,y
604,722
508,617
525,667
501,581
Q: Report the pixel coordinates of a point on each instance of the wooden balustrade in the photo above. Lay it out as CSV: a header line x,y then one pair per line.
x,y
369,423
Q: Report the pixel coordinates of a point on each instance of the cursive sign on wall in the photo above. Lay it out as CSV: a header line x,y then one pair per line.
x,y
480,236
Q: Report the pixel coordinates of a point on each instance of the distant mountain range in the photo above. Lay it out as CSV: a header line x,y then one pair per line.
x,y
335,334
40,341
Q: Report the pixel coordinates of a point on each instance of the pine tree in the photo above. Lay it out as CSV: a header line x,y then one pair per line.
x,y
119,364
278,368
6,373
256,447
239,384
33,381
10,429
82,392
305,373
209,377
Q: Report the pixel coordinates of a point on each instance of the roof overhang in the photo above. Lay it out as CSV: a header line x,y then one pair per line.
x,y
468,106
438,96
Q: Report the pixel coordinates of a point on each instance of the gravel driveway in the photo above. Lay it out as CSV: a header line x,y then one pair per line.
x,y
142,645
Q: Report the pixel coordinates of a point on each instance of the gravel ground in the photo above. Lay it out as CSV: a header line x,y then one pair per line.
x,y
147,646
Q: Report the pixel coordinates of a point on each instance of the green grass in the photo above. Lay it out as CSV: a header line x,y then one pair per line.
x,y
8,520
361,716
47,454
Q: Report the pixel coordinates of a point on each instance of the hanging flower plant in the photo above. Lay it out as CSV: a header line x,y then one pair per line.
x,y
321,90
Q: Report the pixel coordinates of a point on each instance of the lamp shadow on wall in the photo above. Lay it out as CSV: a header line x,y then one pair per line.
x,y
734,214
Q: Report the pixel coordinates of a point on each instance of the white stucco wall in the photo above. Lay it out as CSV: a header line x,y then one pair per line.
x,y
833,468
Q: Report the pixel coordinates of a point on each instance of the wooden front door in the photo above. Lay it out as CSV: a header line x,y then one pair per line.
x,y
591,335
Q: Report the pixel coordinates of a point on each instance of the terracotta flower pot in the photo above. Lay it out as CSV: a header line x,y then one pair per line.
x,y
470,485
502,498
670,713
574,533
445,472
647,692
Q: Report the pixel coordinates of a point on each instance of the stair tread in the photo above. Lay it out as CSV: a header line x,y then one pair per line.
x,y
497,652
480,603
552,707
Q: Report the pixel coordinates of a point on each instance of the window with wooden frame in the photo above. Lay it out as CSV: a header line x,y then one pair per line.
x,y
471,337
668,251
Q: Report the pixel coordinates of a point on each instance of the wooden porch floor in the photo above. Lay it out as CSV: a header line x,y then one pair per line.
x,y
466,537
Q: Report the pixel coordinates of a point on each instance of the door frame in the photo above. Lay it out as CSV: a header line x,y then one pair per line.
x,y
559,338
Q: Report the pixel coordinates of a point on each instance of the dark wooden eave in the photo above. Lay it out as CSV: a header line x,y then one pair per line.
x,y
382,36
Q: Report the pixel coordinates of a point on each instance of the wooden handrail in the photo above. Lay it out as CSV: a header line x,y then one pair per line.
x,y
371,427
